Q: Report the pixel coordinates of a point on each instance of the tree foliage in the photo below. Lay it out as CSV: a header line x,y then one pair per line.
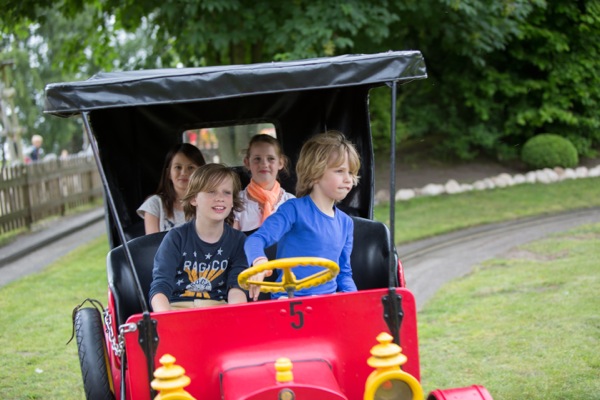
x,y
499,71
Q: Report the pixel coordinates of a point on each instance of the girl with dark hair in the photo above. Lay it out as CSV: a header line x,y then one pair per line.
x,y
163,210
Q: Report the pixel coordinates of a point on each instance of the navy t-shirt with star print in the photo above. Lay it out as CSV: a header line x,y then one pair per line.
x,y
187,268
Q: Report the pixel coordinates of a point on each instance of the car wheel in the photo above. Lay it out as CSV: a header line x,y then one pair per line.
x,y
93,356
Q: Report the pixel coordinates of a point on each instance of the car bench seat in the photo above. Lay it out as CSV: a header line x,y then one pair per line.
x,y
372,254
370,261
120,279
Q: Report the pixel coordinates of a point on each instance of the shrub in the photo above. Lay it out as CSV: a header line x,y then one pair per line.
x,y
548,150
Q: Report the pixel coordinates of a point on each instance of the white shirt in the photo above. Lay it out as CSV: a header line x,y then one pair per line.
x,y
251,218
154,206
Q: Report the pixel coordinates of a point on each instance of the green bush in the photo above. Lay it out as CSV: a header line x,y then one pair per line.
x,y
548,150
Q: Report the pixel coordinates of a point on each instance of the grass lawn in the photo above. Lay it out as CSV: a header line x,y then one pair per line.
x,y
429,216
35,325
525,326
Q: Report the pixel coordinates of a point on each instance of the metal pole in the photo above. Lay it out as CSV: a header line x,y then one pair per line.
x,y
393,180
148,336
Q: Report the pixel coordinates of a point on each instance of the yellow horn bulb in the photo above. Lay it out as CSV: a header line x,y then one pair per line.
x,y
169,380
388,380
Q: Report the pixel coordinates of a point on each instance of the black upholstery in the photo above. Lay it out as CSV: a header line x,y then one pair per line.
x,y
370,260
135,230
243,174
120,279
372,254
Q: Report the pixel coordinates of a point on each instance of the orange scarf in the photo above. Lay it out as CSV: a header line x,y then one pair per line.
x,y
267,199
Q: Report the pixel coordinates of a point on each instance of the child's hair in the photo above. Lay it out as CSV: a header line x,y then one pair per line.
x,y
320,152
205,179
263,138
165,189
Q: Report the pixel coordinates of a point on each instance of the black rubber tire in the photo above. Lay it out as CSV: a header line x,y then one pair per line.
x,y
93,356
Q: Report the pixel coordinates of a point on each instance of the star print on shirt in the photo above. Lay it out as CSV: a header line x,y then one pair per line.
x,y
195,254
220,251
185,253
208,256
180,282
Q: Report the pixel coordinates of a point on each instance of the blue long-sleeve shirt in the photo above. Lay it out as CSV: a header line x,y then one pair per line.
x,y
300,229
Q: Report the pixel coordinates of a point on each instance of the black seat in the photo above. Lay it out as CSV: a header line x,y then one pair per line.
x,y
120,279
372,255
370,259
137,229
243,174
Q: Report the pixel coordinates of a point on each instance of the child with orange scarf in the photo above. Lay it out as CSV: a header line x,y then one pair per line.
x,y
264,159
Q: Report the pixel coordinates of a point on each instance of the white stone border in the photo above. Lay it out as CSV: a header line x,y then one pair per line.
x,y
545,176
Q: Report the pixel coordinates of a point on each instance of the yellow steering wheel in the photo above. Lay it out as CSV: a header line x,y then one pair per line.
x,y
289,283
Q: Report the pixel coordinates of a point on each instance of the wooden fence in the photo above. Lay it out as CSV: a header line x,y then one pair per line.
x,y
33,192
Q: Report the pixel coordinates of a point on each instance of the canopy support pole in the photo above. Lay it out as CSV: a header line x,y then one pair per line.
x,y
148,335
392,302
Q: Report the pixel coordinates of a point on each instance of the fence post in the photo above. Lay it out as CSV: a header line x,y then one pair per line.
x,y
27,198
58,187
90,178
33,192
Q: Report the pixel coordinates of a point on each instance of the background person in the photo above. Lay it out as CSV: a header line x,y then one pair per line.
x,y
36,152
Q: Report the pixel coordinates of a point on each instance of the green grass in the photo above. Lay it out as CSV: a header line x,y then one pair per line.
x,y
423,217
35,324
524,327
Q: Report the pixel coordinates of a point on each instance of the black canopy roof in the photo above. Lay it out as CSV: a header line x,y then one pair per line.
x,y
136,116
172,86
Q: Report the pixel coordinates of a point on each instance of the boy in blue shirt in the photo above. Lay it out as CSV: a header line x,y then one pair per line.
x,y
311,224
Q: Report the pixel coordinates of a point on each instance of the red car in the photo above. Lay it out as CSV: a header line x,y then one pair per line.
x,y
361,345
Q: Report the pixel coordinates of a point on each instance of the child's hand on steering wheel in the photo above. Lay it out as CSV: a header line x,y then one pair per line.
x,y
254,290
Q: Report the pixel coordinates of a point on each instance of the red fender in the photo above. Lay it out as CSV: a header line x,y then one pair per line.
x,y
475,392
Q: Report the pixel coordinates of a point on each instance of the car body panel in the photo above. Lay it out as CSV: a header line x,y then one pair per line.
x,y
340,329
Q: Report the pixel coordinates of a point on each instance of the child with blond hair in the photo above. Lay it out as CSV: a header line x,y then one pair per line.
x,y
312,224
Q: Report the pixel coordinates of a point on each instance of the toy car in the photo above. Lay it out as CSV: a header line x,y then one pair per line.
x,y
360,345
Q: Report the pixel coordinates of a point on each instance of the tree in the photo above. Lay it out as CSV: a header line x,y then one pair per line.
x,y
499,71
31,54
80,38
43,53
552,84
210,32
